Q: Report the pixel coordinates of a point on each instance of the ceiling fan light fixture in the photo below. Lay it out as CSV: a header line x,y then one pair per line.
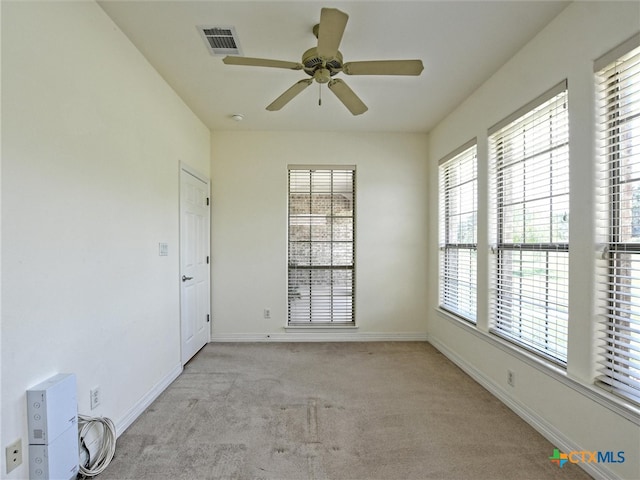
x,y
322,75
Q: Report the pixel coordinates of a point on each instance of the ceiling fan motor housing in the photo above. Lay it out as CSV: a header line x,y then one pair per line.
x,y
313,62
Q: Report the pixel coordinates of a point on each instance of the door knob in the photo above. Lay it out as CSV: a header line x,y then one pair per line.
x,y
185,278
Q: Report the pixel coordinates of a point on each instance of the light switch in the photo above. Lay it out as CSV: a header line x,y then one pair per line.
x,y
163,249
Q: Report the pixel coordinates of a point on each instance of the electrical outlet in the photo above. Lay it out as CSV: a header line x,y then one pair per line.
x,y
14,455
95,397
511,378
267,313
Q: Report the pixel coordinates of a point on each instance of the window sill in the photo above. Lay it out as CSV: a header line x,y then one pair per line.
x,y
320,328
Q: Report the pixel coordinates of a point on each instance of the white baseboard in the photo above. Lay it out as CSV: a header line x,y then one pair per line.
x,y
320,335
146,400
543,427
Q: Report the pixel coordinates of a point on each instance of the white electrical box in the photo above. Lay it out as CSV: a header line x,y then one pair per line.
x,y
52,411
57,460
52,407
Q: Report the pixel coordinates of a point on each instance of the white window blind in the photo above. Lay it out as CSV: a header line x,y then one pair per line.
x,y
458,243
619,287
321,245
529,155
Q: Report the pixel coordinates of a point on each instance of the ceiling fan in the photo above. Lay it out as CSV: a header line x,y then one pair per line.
x,y
321,63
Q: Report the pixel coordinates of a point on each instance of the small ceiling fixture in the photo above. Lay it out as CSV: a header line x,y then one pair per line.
x,y
238,117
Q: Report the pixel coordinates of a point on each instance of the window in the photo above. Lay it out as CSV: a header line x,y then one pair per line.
x,y
458,249
321,245
529,155
619,288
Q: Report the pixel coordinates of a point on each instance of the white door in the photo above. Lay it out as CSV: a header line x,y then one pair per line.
x,y
194,262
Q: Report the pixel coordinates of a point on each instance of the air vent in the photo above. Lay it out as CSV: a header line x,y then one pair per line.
x,y
221,40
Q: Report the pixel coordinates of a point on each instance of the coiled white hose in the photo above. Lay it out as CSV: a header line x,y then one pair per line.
x,y
107,449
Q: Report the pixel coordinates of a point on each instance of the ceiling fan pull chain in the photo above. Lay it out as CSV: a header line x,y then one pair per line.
x,y
319,94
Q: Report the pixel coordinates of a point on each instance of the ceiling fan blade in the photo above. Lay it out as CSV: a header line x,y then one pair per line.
x,y
260,62
347,96
287,96
332,25
384,67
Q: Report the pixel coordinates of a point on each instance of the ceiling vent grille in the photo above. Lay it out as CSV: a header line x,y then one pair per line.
x,y
221,40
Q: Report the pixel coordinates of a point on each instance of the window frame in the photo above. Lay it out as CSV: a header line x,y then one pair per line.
x,y
546,337
341,307
619,371
448,285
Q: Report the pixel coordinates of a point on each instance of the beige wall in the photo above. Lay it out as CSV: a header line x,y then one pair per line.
x,y
91,143
249,230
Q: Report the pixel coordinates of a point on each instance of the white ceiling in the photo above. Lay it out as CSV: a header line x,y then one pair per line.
x,y
460,43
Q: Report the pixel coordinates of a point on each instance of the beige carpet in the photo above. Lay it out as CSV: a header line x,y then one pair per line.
x,y
379,410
